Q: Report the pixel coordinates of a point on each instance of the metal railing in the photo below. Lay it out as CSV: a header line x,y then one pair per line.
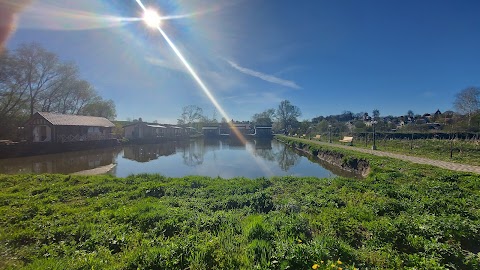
x,y
85,137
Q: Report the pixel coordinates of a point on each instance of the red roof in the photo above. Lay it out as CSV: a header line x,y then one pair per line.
x,y
75,120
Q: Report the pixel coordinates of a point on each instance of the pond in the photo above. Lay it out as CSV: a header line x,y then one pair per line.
x,y
226,158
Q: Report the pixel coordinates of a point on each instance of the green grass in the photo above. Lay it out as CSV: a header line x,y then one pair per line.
x,y
401,216
466,152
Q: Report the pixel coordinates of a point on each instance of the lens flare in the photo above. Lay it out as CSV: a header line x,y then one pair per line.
x,y
78,16
151,18
204,88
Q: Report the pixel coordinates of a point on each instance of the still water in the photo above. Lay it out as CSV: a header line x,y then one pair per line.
x,y
224,158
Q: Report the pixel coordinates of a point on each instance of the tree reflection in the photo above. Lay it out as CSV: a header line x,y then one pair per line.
x,y
286,158
263,148
193,153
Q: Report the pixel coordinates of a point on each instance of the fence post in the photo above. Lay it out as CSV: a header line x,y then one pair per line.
x,y
451,148
411,142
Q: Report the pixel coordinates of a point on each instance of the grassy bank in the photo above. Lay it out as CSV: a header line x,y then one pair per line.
x,y
401,216
466,152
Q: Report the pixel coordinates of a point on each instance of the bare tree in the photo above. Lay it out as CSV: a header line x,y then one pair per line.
x,y
190,114
41,71
33,79
468,102
75,96
51,98
13,92
287,113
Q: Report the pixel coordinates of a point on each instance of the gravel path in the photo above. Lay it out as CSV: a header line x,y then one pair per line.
x,y
438,163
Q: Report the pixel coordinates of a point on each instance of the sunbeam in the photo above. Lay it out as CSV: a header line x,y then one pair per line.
x,y
204,88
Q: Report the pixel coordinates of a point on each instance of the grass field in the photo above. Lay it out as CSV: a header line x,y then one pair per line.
x,y
402,216
466,152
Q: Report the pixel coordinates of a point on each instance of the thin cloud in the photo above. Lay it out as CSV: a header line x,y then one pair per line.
x,y
165,64
265,77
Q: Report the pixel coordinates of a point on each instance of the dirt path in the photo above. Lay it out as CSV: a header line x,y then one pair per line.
x,y
438,163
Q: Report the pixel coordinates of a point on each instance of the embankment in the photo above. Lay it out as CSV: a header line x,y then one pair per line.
x,y
358,166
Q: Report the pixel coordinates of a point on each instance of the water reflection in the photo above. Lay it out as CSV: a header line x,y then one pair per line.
x,y
287,158
193,154
263,144
148,152
225,158
60,163
263,148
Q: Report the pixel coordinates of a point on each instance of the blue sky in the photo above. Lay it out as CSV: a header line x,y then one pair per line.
x,y
323,56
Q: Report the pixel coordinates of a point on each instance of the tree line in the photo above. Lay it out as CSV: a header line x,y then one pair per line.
x,y
33,79
284,118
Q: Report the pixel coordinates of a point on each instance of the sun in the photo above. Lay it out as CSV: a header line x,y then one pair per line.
x,y
151,18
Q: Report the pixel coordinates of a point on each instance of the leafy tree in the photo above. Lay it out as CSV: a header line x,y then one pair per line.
x,y
264,118
410,114
318,119
305,127
101,108
376,114
360,126
322,126
345,116
287,114
468,102
359,116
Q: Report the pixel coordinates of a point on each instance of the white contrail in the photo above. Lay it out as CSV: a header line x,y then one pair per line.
x,y
263,76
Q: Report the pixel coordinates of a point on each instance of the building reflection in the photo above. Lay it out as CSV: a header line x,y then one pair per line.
x,y
265,144
64,163
234,143
148,152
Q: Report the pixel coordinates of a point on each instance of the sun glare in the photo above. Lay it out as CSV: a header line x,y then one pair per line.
x,y
151,18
